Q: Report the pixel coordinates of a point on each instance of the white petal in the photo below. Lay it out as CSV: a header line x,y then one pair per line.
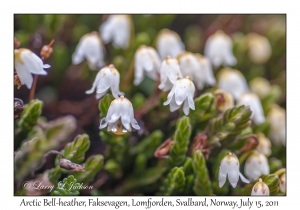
x,y
170,96
24,74
244,178
103,123
181,93
100,95
191,103
133,121
173,105
112,125
233,175
186,108
45,66
99,75
222,174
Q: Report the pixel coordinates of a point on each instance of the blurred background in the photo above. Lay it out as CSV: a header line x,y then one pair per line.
x,y
63,89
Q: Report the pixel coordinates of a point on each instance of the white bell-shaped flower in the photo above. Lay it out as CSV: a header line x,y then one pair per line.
x,y
218,48
90,47
259,48
232,81
182,93
146,60
276,117
169,73
264,145
224,100
116,29
256,165
27,63
260,86
119,119
252,100
230,166
107,78
282,183
260,188
206,70
169,43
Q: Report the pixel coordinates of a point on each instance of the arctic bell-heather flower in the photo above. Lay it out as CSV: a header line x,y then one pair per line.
x,y
169,73
282,183
90,47
27,63
259,48
260,188
218,48
230,166
197,67
182,93
107,78
264,145
116,29
252,100
168,43
256,165
146,61
119,119
232,81
276,117
260,86
224,100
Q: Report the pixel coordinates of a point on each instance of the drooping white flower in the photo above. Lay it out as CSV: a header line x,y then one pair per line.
x,y
116,29
182,93
107,78
224,100
119,119
260,188
259,48
146,60
282,183
28,63
218,48
252,100
276,117
232,81
256,165
230,166
197,67
169,43
169,73
260,86
206,70
264,145
90,47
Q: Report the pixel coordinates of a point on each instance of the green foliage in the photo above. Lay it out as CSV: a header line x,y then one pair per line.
x,y
181,141
68,187
104,104
228,126
203,105
202,184
174,183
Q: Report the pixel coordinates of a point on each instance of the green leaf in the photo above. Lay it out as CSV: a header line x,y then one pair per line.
x,y
174,183
75,150
92,166
104,104
68,187
181,139
203,105
202,184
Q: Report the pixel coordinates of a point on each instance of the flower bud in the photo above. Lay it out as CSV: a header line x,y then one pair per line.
x,y
252,100
276,117
119,118
107,78
260,188
90,47
18,107
168,43
70,166
116,29
260,86
182,93
46,51
230,166
259,48
146,60
27,63
169,73
264,145
282,183
224,100
256,165
232,81
218,48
